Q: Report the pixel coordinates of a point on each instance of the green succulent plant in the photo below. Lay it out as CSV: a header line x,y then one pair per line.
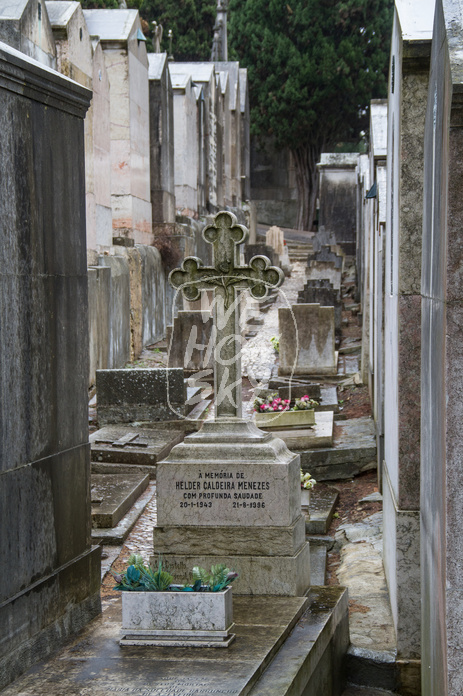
x,y
142,578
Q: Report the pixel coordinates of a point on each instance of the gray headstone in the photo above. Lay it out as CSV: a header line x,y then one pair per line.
x,y
190,346
307,340
326,255
325,295
140,394
260,250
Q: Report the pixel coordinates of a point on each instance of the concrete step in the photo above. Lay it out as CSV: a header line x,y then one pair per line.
x,y
323,501
353,451
115,536
112,495
318,557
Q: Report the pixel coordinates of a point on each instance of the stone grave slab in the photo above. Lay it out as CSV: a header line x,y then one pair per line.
x,y
112,495
140,394
295,390
318,435
296,672
307,340
297,632
353,451
323,501
115,536
128,445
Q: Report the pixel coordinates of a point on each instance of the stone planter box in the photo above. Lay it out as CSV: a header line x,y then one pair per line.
x,y
185,619
285,419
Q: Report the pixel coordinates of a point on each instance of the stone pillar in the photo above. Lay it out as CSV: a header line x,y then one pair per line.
x,y
45,547
161,140
126,62
408,88
442,363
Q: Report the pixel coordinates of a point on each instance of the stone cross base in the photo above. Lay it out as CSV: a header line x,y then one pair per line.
x,y
231,494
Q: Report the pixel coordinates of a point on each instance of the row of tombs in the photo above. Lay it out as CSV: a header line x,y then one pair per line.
x,y
178,397
408,265
164,143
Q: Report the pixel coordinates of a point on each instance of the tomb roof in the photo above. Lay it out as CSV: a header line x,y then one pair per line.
x,y
200,72
338,159
13,9
179,80
232,68
111,25
416,19
60,12
156,65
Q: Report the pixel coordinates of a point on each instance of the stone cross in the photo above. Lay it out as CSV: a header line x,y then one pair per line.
x,y
227,278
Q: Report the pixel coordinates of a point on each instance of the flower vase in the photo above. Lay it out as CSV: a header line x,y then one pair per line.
x,y
305,500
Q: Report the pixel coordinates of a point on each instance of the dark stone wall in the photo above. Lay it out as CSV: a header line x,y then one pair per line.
x,y
338,206
52,574
273,184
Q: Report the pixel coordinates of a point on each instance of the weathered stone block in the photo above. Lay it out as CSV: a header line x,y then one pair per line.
x,y
191,345
140,394
44,496
307,340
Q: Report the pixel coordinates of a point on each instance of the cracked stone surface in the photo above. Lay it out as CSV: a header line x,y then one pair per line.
x,y
362,571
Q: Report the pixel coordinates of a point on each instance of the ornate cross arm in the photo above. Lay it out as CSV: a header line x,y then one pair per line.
x,y
193,277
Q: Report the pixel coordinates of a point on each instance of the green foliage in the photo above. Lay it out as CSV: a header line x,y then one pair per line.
x,y
214,580
313,67
275,341
191,22
130,581
141,578
100,4
156,581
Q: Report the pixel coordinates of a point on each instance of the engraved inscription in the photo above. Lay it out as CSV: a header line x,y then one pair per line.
x,y
207,487
171,687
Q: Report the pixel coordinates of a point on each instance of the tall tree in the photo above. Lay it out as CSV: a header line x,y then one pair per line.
x,y
313,67
191,22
